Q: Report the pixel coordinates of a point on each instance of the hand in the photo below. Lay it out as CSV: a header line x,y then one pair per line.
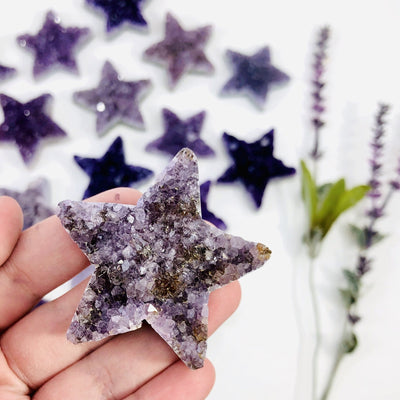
x,y
36,360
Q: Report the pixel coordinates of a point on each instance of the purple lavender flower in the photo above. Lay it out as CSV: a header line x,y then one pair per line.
x,y
318,83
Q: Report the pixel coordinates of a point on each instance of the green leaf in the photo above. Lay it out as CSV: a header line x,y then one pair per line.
x,y
360,235
353,282
348,199
322,190
347,298
330,201
309,193
350,343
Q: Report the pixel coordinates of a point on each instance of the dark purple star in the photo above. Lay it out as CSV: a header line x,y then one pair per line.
x,y
205,212
121,11
253,75
254,164
6,72
54,45
181,133
156,261
27,124
114,100
111,171
33,201
181,51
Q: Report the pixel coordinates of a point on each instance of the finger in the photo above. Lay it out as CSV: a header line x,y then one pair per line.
x,y
132,359
44,258
11,221
178,382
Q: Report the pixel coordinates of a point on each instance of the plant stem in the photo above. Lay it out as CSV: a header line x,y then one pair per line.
x,y
314,302
335,366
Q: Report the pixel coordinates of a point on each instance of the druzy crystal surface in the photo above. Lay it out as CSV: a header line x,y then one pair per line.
x,y
156,261
34,201
254,164
181,133
111,170
119,12
115,100
27,124
253,75
54,45
181,51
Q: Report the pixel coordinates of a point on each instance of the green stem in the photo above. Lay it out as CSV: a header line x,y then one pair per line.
x,y
339,357
314,302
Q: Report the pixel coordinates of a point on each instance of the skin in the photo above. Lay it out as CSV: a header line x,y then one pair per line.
x,y
36,360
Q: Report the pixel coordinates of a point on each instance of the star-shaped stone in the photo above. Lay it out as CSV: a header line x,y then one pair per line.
x,y
253,75
181,133
156,261
181,51
120,12
114,100
205,212
27,124
6,72
254,164
34,201
54,45
110,170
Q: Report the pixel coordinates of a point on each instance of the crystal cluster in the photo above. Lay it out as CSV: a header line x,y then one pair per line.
x,y
156,261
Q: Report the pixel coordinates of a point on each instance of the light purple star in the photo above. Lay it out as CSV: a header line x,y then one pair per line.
x,y
181,51
114,100
156,261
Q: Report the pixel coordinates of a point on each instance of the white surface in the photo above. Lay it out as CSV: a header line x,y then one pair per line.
x,y
258,351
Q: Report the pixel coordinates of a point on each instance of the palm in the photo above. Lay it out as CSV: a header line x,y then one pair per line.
x,y
36,360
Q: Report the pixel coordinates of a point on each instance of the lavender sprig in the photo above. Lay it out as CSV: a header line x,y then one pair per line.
x,y
318,83
366,237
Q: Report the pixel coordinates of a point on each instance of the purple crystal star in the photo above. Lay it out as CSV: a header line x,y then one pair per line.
x,y
156,261
205,212
111,171
27,124
253,75
33,201
181,51
254,164
179,134
54,45
6,72
114,100
121,11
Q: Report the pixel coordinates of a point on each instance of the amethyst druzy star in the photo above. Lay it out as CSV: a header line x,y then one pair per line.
x,y
254,164
120,12
181,133
156,261
110,170
114,100
34,201
6,72
253,75
27,124
205,212
54,45
181,51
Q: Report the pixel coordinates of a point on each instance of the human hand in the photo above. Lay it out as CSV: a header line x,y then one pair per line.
x,y
36,360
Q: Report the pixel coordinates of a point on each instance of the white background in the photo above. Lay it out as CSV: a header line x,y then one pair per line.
x,y
258,352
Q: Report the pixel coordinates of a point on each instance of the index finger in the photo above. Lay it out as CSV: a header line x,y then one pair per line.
x,y
44,258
